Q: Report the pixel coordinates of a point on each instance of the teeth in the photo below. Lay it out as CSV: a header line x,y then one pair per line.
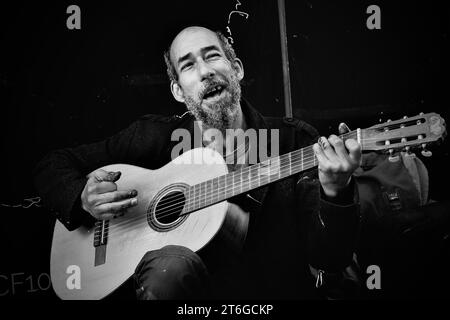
x,y
213,90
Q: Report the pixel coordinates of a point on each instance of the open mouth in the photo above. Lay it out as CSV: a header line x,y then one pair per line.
x,y
213,92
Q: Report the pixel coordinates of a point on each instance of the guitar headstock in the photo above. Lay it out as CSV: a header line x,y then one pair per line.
x,y
405,134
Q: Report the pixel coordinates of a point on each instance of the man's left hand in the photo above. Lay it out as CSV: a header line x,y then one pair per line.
x,y
337,162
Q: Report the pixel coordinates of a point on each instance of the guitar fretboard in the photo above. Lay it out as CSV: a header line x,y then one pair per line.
x,y
252,177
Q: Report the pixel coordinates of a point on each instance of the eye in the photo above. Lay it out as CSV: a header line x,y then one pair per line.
x,y
212,56
186,66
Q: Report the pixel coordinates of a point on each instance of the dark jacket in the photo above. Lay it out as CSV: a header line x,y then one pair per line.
x,y
291,226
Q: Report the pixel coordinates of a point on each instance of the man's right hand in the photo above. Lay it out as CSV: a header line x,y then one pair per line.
x,y
100,196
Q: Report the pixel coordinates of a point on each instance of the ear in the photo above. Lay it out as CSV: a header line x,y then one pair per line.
x,y
239,67
177,91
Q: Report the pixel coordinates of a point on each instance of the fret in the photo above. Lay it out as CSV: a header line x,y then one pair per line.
x,y
254,178
290,163
232,184
220,188
211,191
202,194
274,169
258,168
244,180
278,167
198,195
224,188
241,182
264,172
269,178
284,166
301,157
228,190
208,192
215,190
194,204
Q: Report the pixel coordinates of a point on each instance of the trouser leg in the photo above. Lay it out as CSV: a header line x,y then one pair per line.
x,y
172,272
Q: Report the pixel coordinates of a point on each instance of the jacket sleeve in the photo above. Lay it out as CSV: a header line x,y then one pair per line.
x,y
332,228
60,176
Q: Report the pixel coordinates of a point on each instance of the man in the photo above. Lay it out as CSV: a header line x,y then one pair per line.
x,y
300,225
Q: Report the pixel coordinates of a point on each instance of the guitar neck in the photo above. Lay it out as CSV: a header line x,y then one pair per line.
x,y
254,176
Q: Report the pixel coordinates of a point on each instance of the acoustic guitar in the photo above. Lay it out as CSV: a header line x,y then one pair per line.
x,y
184,203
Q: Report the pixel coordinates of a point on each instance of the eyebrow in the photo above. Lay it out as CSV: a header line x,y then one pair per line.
x,y
202,50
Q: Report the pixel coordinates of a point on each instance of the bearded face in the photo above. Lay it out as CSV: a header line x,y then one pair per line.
x,y
216,104
208,82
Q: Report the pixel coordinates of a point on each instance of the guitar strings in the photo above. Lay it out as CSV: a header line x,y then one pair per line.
x,y
176,197
247,171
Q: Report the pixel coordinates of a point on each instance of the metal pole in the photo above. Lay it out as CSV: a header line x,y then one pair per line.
x,y
285,59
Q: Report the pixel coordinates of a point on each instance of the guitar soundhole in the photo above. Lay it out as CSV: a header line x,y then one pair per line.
x,y
170,207
165,212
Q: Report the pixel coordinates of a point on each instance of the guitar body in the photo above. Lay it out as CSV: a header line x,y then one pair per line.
x,y
75,271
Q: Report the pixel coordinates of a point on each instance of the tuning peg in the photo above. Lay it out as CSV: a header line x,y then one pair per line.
x,y
421,114
405,117
425,152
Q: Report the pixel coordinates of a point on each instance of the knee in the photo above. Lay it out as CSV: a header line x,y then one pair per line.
x,y
172,272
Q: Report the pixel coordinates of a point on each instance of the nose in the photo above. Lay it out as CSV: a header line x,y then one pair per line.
x,y
205,71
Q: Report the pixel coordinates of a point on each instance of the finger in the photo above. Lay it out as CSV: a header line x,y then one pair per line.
x,y
354,149
102,175
115,196
101,187
328,150
339,147
321,157
343,128
116,207
111,176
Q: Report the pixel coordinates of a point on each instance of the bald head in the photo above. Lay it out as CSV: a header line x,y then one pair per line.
x,y
188,35
190,38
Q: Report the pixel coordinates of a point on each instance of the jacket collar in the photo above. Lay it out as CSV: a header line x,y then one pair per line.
x,y
253,118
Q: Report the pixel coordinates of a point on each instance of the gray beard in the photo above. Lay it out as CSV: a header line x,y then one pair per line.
x,y
223,114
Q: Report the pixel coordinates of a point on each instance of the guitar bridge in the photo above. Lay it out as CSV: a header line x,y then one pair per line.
x,y
100,241
101,233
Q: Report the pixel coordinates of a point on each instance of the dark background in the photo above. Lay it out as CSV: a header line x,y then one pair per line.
x,y
63,87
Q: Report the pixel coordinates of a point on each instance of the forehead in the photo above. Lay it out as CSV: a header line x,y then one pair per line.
x,y
191,41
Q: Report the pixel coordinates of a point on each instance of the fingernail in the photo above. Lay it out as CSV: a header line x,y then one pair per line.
x,y
322,142
115,176
343,128
134,202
